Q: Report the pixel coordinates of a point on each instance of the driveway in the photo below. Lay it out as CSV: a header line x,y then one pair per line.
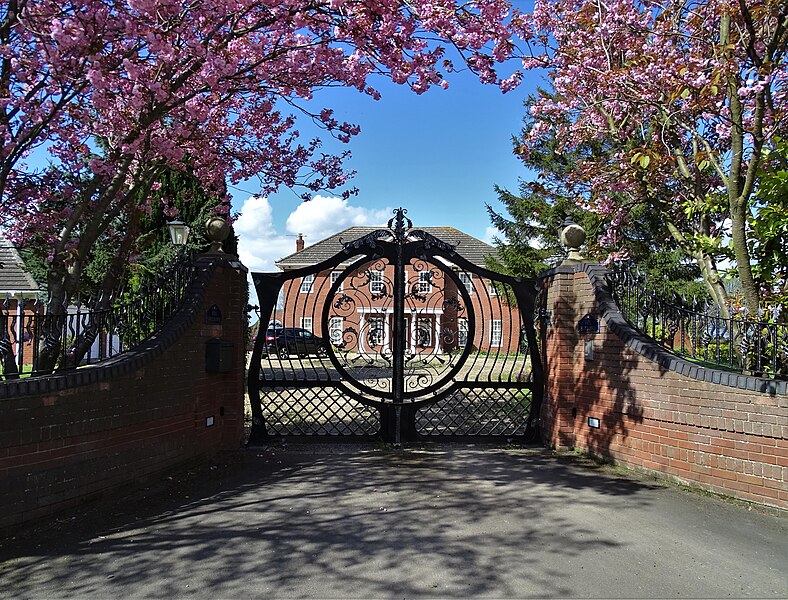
x,y
366,522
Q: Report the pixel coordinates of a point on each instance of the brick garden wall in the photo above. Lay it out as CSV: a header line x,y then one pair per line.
x,y
722,432
66,438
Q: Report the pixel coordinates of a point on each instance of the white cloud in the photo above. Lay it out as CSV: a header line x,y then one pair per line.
x,y
260,245
321,217
490,233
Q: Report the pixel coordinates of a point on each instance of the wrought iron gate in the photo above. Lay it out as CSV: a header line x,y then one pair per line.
x,y
411,341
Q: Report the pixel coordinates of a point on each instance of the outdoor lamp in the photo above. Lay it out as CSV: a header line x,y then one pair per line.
x,y
179,232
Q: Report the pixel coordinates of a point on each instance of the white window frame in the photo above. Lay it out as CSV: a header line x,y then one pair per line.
x,y
334,276
425,282
307,284
491,287
335,327
376,283
496,333
307,323
467,280
462,332
376,335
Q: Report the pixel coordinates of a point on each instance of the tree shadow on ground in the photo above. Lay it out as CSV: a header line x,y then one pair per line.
x,y
431,522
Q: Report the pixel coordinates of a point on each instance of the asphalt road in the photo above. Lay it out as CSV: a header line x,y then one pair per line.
x,y
364,522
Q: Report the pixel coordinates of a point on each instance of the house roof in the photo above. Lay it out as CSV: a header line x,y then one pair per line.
x,y
470,248
14,278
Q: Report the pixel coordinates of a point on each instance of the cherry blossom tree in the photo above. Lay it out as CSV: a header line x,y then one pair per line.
x,y
116,92
687,95
535,215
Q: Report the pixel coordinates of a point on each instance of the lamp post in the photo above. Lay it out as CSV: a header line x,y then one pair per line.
x,y
179,235
179,232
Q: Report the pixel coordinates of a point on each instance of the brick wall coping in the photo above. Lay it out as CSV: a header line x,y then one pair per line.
x,y
140,356
646,347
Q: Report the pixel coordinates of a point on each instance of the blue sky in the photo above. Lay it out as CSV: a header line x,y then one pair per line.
x,y
439,155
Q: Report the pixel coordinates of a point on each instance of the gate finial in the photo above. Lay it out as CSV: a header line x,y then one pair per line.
x,y
217,230
400,224
572,238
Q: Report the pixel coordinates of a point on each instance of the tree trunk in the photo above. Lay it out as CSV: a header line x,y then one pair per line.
x,y
742,255
52,323
736,186
107,294
708,270
713,282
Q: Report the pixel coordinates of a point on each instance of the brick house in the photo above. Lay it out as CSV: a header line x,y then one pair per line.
x,y
19,294
437,318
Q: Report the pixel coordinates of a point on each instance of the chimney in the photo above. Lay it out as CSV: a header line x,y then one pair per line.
x,y
300,242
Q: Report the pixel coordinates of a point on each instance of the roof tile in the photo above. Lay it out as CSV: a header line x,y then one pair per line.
x,y
471,248
14,277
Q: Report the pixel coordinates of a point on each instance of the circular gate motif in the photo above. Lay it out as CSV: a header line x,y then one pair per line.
x,y
406,345
433,337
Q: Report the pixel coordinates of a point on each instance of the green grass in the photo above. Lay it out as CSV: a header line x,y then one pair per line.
x,y
25,373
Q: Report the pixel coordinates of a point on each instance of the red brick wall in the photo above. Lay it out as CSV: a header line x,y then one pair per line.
x,y
66,438
657,413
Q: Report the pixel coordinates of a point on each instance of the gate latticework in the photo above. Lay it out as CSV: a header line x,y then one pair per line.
x,y
397,337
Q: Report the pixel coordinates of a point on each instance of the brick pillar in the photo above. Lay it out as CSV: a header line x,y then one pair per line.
x,y
221,395
238,297
561,345
568,382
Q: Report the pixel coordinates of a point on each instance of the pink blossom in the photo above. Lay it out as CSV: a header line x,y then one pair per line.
x,y
650,77
115,92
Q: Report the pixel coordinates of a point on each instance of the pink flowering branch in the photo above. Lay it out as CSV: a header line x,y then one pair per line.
x,y
688,93
116,92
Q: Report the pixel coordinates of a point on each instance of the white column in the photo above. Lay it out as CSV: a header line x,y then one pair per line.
x,y
361,329
436,346
19,331
386,331
413,319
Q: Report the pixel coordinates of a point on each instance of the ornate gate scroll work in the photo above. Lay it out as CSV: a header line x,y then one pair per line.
x,y
417,342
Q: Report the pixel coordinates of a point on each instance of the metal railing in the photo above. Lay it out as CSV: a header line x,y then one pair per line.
x,y
695,328
88,330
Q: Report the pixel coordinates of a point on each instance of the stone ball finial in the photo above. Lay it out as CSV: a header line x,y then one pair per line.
x,y
572,238
217,230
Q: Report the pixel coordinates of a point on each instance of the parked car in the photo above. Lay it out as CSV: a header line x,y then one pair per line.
x,y
286,341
